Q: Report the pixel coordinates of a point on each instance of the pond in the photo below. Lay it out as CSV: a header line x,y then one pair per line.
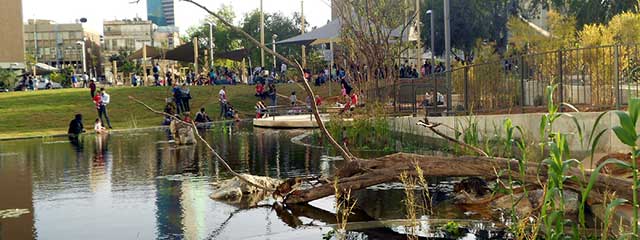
x,y
138,185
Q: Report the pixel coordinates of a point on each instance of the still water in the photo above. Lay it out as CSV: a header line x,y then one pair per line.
x,y
137,185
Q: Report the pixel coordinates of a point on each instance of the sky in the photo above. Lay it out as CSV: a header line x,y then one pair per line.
x,y
317,12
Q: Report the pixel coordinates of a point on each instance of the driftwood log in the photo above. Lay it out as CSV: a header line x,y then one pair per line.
x,y
360,174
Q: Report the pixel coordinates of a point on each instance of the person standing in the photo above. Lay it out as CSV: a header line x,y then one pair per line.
x,y
185,93
85,78
168,81
105,99
92,86
177,98
273,94
293,98
283,72
222,97
156,74
74,81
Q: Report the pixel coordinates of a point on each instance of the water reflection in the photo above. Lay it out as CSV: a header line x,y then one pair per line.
x,y
139,185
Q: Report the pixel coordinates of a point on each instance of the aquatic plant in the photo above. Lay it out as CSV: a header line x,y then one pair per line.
x,y
344,207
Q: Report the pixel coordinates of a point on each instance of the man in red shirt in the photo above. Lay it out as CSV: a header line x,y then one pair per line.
x,y
92,86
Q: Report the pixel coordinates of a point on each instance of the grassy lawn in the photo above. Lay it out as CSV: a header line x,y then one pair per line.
x,y
47,112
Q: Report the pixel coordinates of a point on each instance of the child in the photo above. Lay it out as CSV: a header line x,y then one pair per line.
x,y
97,126
293,99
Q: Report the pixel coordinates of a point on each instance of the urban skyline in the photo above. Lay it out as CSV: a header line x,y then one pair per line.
x,y
317,12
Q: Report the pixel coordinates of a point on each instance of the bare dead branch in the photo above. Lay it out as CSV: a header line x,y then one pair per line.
x,y
306,86
215,153
433,126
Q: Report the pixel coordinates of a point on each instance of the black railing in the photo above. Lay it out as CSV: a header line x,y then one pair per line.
x,y
589,78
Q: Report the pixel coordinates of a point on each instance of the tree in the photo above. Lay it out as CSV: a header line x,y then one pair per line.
x,y
275,23
470,20
585,11
7,78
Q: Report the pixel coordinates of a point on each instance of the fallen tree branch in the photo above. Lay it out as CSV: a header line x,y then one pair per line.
x,y
215,153
433,126
360,174
306,87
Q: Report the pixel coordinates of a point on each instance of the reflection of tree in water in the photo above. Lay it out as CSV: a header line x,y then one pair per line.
x,y
291,216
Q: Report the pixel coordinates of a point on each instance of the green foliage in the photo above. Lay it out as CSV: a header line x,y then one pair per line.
x,y
7,78
471,20
626,133
452,229
274,23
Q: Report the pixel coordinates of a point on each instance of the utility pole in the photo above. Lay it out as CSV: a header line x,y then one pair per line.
x,y
211,44
419,40
195,56
144,63
273,46
304,48
261,34
35,39
447,49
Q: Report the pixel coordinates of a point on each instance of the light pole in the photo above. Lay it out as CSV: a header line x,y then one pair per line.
x,y
261,34
84,57
273,48
433,34
447,48
211,44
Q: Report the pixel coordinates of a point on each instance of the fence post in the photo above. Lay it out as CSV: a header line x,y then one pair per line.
x,y
616,65
522,87
466,90
560,79
414,99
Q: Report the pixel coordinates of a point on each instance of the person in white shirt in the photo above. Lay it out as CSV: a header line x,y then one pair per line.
x,y
283,71
102,110
222,97
293,99
97,126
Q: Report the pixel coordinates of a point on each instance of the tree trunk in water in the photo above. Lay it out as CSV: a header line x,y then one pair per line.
x,y
360,174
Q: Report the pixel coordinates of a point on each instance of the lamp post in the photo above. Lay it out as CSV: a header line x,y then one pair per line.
x,y
211,44
84,57
447,48
261,35
433,34
273,48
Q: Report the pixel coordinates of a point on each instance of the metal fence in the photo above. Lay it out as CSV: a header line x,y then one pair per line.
x,y
589,78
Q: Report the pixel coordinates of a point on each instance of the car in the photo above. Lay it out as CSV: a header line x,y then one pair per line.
x,y
40,84
47,84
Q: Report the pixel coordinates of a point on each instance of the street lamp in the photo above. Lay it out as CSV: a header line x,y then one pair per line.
x,y
211,25
273,47
433,51
84,57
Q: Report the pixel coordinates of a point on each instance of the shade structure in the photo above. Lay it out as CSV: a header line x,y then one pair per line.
x,y
234,55
327,33
183,53
331,33
152,52
43,69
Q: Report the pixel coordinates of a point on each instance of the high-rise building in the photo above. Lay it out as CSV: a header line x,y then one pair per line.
x,y
11,41
160,12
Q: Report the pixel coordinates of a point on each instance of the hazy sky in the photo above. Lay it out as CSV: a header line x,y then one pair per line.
x,y
317,12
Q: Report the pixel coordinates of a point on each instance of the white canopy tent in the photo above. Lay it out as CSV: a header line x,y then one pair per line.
x,y
330,33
